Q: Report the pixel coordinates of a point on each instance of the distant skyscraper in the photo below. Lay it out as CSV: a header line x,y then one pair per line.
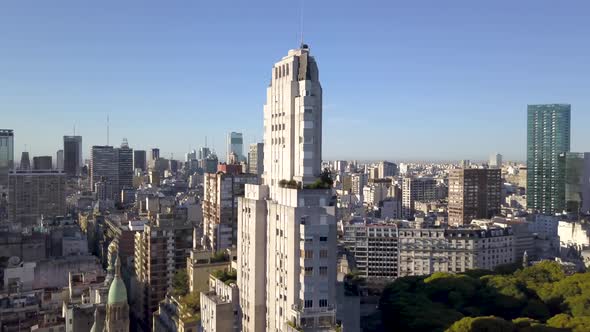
x,y
59,161
155,154
190,156
42,163
72,155
6,165
125,162
139,160
104,168
204,152
287,248
25,161
495,160
256,159
577,181
235,144
473,193
548,136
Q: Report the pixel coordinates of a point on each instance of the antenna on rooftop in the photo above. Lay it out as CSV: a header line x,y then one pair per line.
x,y
301,5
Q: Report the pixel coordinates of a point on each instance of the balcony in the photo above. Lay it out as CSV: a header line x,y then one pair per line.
x,y
314,318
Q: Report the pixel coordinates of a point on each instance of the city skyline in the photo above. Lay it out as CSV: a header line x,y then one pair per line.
x,y
477,66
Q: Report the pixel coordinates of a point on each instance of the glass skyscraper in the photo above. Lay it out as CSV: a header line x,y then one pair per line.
x,y
6,157
548,136
235,144
577,181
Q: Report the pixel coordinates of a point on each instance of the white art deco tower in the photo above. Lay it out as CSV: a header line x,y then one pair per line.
x,y
286,226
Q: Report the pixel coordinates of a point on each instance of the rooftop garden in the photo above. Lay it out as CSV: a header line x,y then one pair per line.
x,y
325,181
227,276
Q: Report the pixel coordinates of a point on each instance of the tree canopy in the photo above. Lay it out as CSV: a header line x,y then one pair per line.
x,y
535,299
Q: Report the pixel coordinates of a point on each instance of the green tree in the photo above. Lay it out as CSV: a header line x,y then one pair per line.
x,y
180,286
482,324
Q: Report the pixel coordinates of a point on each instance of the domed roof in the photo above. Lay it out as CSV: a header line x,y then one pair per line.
x,y
117,292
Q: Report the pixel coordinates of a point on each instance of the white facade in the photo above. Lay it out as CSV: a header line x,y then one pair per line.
x,y
287,235
573,235
453,250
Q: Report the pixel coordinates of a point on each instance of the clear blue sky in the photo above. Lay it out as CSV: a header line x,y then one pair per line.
x,y
412,80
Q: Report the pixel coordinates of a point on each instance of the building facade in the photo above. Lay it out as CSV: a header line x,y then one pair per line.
x,y
256,159
473,193
287,232
235,145
33,194
6,159
453,250
374,245
220,208
548,136
72,155
576,168
140,160
160,250
416,189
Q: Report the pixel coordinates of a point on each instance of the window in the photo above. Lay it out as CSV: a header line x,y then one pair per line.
x,y
323,253
309,271
323,239
308,303
323,271
308,254
323,303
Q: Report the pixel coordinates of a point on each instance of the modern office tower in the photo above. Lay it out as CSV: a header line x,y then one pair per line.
x,y
160,250
204,152
386,169
59,161
42,163
192,155
25,161
33,194
548,136
474,193
256,159
374,245
139,160
414,190
104,168
495,160
155,154
453,250
577,181
6,165
209,164
235,144
287,249
220,208
124,156
72,155
173,166
6,156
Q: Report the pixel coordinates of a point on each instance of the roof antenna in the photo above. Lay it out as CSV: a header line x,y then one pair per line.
x,y
302,3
